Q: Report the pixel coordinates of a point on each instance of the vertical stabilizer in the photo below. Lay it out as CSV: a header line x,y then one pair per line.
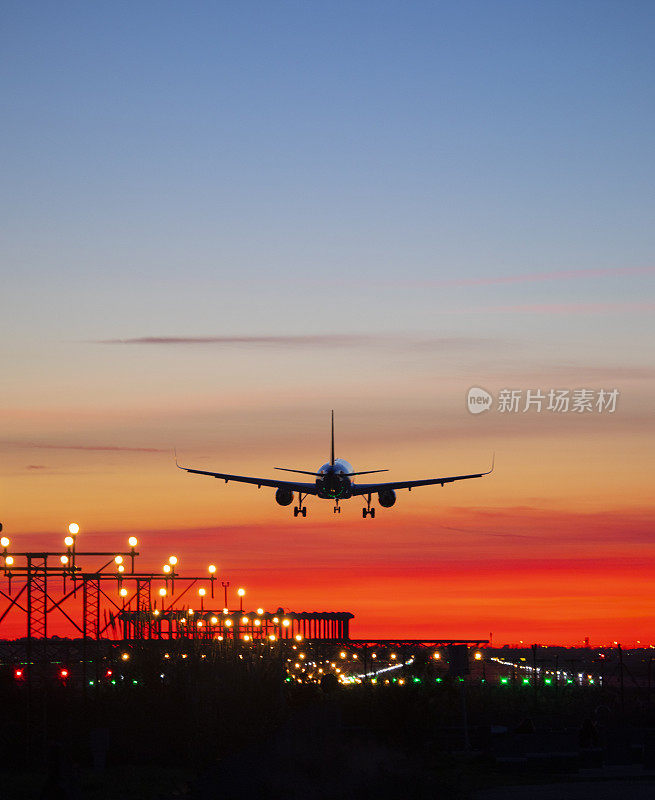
x,y
332,441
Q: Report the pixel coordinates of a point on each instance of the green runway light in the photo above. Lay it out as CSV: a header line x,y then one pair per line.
x,y
439,680
135,682
569,680
91,683
113,683
504,680
548,681
526,681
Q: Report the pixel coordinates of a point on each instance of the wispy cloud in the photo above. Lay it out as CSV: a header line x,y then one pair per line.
x,y
317,340
540,277
557,308
36,466
89,447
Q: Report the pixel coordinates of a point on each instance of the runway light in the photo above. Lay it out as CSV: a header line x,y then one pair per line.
x,y
393,655
156,612
258,622
64,560
298,637
245,620
504,680
68,541
63,673
191,612
18,674
211,569
342,654
118,559
246,638
121,568
276,620
260,611
9,561
214,620
228,622
202,592
4,541
125,656
162,592
272,638
166,568
199,623
73,528
226,610
123,592
478,656
286,623
172,561
133,541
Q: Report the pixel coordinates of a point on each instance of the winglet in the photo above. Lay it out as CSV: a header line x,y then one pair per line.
x,y
332,445
175,457
493,461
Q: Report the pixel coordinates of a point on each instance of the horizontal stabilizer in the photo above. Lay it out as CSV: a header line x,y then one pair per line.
x,y
366,472
299,471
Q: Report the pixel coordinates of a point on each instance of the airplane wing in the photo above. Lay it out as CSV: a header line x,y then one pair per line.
x,y
372,488
305,488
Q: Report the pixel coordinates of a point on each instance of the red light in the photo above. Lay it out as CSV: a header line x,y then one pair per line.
x,y
63,673
18,673
109,674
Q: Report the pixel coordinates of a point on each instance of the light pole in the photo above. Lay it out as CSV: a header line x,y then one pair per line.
x,y
225,584
241,593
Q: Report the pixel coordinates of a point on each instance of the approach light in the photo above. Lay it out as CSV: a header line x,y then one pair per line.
x,y
272,637
478,656
258,622
241,592
123,592
68,541
245,620
121,567
276,620
63,673
4,541
118,559
133,541
64,560
286,623
166,568
18,673
211,569
199,623
162,592
9,560
246,638
73,528
226,610
342,654
228,622
436,656
156,612
172,561
202,592
191,612
214,620
260,611
393,655
125,656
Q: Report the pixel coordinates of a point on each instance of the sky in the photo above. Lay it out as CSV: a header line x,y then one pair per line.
x,y
220,221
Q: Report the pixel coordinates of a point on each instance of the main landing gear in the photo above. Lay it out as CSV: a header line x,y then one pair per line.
x,y
337,509
368,511
300,508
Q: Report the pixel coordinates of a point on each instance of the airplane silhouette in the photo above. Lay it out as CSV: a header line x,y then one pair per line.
x,y
333,482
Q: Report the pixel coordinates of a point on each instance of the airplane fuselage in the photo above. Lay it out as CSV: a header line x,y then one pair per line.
x,y
332,481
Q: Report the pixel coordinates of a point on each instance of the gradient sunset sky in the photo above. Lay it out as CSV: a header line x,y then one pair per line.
x,y
222,220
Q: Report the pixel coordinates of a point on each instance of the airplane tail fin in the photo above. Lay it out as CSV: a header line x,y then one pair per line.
x,y
332,441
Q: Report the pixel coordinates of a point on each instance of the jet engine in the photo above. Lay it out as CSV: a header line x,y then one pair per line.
x,y
284,497
386,498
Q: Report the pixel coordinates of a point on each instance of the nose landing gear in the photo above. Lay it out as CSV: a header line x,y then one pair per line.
x,y
337,509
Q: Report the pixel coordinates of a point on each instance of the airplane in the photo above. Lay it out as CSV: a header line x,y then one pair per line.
x,y
333,482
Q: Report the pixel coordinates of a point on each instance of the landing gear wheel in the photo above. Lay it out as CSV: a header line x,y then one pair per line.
x,y
364,513
303,511
372,513
295,511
